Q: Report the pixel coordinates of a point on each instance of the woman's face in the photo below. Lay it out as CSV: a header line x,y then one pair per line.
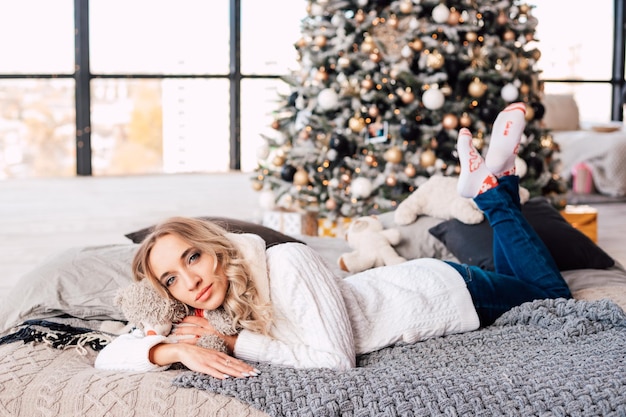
x,y
187,273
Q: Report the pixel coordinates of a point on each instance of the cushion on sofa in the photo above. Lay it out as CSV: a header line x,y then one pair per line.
x,y
561,112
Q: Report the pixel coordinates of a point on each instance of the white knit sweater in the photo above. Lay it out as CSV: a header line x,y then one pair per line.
x,y
324,321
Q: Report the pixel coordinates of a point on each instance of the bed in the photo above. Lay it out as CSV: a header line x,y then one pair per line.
x,y
546,357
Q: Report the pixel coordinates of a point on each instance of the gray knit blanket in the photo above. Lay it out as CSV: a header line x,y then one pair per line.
x,y
545,358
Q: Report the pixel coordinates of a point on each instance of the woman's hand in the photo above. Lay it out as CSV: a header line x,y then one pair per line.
x,y
195,327
199,359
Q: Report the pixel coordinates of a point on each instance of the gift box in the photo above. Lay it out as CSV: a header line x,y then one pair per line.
x,y
583,218
333,228
291,222
582,179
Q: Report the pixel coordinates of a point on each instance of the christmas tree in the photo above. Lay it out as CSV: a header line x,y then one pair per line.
x,y
382,91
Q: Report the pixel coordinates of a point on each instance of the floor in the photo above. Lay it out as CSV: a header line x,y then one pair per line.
x,y
41,217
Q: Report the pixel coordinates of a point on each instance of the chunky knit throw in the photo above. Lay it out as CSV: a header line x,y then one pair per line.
x,y
545,358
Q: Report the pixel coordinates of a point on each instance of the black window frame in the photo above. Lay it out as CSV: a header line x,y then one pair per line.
x,y
83,77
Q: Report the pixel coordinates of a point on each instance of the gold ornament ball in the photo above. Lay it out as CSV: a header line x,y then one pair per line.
x,y
417,45
435,60
392,21
428,158
376,57
370,159
276,124
367,84
536,54
391,180
508,35
373,111
524,8
368,45
523,64
331,204
465,120
502,19
410,170
356,124
454,17
301,177
450,121
257,185
471,36
524,89
530,113
393,155
360,16
476,88
407,97
279,161
406,6
320,40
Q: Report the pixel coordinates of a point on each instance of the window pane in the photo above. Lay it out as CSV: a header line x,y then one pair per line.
x,y
37,42
593,99
37,128
159,36
268,37
155,126
259,101
575,39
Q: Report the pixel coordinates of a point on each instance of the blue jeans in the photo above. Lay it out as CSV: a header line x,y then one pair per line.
x,y
524,268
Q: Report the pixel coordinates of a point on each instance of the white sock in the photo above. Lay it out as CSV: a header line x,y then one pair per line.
x,y
475,178
505,138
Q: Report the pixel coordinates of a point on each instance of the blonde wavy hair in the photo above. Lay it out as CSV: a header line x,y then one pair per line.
x,y
242,300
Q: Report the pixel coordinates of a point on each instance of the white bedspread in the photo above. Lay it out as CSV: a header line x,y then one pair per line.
x,y
605,153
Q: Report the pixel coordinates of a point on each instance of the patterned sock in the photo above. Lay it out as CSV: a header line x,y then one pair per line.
x,y
475,178
505,138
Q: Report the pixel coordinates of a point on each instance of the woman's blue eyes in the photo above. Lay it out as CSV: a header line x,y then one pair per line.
x,y
192,258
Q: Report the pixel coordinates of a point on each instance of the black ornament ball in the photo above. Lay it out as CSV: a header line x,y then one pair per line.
x,y
535,166
292,99
488,112
409,130
342,145
539,109
287,173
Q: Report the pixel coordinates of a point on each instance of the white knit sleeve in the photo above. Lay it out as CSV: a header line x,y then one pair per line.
x,y
311,325
129,352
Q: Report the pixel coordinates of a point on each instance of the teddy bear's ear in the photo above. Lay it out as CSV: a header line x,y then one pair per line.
x,y
358,225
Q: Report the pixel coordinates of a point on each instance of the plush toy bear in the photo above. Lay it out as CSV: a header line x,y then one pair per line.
x,y
373,245
438,197
154,314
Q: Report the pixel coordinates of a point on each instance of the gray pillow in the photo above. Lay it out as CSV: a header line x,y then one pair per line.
x,y
81,282
416,241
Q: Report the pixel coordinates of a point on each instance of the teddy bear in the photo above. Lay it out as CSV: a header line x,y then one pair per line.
x,y
372,244
155,314
438,197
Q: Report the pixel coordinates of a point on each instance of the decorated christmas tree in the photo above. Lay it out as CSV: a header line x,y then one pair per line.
x,y
382,91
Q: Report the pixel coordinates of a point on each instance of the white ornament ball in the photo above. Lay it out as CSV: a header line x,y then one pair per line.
x,y
406,51
509,92
441,13
433,99
267,200
521,167
362,3
333,183
263,151
361,188
327,99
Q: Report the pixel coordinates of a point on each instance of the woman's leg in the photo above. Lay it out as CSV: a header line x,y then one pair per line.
x,y
526,270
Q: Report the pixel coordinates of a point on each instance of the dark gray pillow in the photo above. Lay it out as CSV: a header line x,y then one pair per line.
x,y
272,237
570,248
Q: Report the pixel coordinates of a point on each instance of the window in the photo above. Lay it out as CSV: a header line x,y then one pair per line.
x,y
192,86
